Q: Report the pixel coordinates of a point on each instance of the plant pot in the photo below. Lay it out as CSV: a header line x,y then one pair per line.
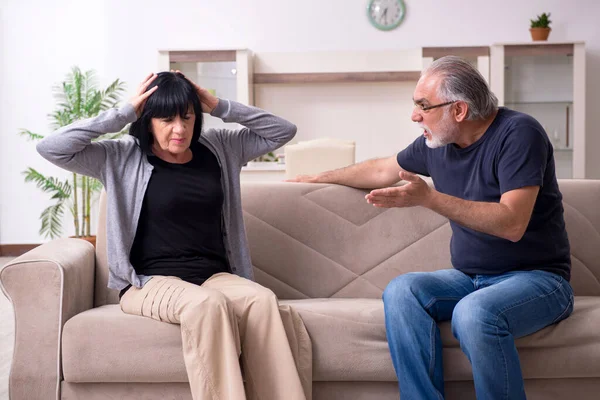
x,y
538,34
91,239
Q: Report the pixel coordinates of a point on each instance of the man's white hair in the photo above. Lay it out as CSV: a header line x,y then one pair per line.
x,y
461,81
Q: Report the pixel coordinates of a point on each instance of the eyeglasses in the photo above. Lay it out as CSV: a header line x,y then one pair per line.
x,y
427,108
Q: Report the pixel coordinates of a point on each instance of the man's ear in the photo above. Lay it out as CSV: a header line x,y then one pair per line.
x,y
461,110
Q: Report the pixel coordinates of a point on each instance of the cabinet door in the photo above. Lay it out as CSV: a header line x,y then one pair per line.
x,y
545,81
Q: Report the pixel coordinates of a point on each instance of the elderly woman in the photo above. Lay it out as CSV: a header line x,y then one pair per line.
x,y
177,248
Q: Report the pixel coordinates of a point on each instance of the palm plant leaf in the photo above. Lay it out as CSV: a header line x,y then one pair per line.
x,y
88,83
94,103
61,118
77,92
60,94
52,220
116,135
59,190
112,95
30,135
95,185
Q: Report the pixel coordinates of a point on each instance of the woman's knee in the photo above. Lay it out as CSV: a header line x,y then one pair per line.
x,y
210,304
265,298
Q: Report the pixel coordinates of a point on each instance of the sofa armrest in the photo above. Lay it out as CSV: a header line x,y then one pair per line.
x,y
46,286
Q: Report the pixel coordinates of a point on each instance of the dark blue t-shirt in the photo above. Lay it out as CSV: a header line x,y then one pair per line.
x,y
514,152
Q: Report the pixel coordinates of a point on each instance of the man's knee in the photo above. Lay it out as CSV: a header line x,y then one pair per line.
x,y
403,287
473,319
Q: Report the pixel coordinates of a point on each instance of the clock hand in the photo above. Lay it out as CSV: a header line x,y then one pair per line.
x,y
383,15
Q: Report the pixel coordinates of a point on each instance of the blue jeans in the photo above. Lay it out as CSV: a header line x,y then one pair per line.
x,y
488,313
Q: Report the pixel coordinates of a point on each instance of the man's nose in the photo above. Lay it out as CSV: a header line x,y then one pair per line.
x,y
416,115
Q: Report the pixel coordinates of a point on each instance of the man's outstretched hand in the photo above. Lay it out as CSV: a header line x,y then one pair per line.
x,y
416,192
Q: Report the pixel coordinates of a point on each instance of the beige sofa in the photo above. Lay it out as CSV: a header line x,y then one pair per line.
x,y
322,249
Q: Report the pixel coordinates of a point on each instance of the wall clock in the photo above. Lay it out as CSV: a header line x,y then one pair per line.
x,y
386,14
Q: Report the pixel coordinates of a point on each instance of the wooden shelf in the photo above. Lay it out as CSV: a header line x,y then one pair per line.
x,y
465,52
535,49
338,77
202,56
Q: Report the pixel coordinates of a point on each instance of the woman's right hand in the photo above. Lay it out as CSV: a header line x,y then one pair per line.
x,y
142,95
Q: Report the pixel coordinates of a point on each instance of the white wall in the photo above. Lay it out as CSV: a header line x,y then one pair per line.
x,y
120,39
376,116
41,41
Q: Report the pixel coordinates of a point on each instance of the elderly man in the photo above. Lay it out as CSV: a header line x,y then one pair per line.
x,y
494,178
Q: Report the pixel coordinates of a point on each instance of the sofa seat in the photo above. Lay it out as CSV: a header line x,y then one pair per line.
x,y
348,337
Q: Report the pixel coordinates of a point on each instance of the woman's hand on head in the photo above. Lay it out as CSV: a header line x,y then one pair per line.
x,y
142,94
207,100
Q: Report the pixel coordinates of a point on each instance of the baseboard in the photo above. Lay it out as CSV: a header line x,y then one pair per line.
x,y
15,250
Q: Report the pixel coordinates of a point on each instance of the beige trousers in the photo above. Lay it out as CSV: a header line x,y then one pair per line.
x,y
225,317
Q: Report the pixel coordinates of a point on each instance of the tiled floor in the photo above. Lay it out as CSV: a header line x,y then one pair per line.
x,y
7,327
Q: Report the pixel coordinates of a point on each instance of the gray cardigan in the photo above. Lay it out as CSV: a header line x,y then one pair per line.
x,y
124,171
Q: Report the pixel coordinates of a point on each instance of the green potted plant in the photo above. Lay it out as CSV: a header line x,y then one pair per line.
x,y
540,27
78,98
270,157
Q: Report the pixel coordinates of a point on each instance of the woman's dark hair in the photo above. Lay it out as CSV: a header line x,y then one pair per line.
x,y
173,97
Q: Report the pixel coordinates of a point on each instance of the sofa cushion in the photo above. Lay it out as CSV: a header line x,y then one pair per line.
x,y
106,345
349,343
348,337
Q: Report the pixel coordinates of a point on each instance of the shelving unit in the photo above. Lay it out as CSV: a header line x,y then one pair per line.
x,y
547,81
345,94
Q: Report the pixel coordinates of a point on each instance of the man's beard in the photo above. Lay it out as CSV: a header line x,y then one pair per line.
x,y
440,139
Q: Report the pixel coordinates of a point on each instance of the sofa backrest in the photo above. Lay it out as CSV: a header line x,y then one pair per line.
x,y
102,294
314,240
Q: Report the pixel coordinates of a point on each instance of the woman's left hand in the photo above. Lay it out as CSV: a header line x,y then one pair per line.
x,y
207,100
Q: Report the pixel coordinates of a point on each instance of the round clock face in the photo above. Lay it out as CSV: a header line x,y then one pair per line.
x,y
386,14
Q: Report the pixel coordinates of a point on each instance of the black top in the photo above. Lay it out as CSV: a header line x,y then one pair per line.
x,y
514,152
179,231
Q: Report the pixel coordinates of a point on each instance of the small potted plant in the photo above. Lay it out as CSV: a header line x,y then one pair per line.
x,y
540,27
270,157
